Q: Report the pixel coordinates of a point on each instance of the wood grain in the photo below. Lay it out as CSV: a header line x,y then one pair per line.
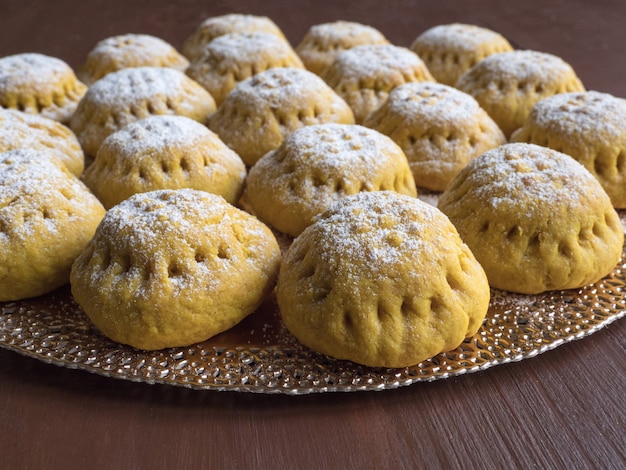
x,y
562,409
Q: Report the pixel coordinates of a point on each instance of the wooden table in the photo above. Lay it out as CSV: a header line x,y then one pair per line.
x,y
561,409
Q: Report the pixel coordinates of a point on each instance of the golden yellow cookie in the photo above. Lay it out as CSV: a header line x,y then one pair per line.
x,y
164,152
364,75
47,216
39,84
315,166
381,279
535,219
131,94
174,267
449,50
23,130
439,128
262,110
589,126
129,50
231,58
216,26
507,85
323,42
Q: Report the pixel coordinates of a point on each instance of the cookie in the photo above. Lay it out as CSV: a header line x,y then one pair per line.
x,y
439,128
129,50
364,75
323,42
217,26
32,131
507,85
535,219
381,279
316,166
449,50
231,58
588,126
262,110
47,216
174,267
39,84
131,94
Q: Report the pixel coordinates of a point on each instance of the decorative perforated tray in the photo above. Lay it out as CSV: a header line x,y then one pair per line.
x,y
259,355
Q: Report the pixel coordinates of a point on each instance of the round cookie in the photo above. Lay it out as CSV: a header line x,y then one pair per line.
x,y
23,130
39,84
381,279
588,126
131,94
439,128
217,26
164,152
231,58
507,85
262,110
364,75
47,216
315,166
535,219
449,50
171,268
323,42
129,50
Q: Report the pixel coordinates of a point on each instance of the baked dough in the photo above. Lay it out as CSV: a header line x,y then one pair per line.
x,y
507,85
449,50
381,279
47,216
323,42
262,110
231,58
535,219
217,26
316,166
174,267
39,84
364,75
131,94
23,130
164,152
439,128
129,50
588,126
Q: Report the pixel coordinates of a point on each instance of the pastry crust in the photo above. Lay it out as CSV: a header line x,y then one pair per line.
x,y
131,94
129,50
364,75
174,267
381,279
449,50
588,126
262,110
535,219
316,166
229,59
164,152
507,85
323,42
39,84
47,216
439,128
23,130
217,26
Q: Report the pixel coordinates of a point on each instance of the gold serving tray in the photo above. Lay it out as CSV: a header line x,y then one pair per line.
x,y
259,355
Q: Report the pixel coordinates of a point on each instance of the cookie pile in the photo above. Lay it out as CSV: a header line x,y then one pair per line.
x,y
158,182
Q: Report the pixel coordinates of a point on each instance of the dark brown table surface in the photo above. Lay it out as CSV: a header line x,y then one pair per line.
x,y
562,409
